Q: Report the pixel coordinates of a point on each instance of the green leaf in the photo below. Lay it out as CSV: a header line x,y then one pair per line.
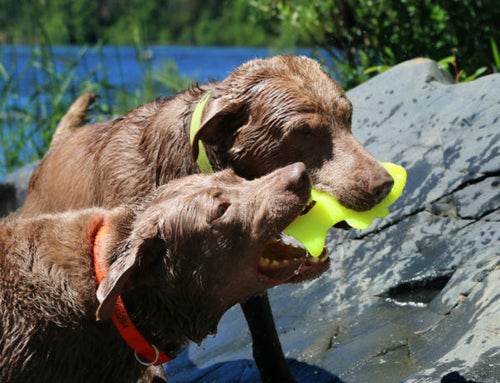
x,y
379,68
3,72
447,60
496,55
476,74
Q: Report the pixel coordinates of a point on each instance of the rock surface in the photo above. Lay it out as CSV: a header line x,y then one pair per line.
x,y
415,298
13,189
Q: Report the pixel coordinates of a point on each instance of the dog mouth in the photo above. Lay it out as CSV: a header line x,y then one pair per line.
x,y
285,260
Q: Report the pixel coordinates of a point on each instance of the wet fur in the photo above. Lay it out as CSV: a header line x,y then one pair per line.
x,y
162,260
265,115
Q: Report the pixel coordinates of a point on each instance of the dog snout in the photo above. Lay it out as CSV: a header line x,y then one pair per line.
x,y
297,178
362,190
379,187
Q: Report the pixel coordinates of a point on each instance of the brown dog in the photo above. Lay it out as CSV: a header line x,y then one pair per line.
x,y
179,260
264,115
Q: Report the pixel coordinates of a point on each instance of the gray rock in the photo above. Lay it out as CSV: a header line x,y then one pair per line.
x,y
8,201
416,297
13,189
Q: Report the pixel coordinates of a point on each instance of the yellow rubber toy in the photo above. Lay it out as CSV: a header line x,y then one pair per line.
x,y
311,228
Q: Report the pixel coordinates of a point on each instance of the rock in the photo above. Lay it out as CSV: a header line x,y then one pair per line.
x,y
8,201
13,189
416,297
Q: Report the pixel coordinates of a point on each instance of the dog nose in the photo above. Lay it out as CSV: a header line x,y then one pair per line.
x,y
380,186
297,177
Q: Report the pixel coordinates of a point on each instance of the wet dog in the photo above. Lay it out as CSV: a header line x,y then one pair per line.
x,y
178,260
265,115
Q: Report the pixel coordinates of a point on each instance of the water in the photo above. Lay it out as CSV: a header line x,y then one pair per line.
x,y
122,67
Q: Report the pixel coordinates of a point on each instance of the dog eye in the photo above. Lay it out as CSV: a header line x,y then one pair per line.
x,y
221,210
304,130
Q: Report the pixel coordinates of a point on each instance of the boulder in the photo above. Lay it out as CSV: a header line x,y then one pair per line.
x,y
8,201
13,189
416,297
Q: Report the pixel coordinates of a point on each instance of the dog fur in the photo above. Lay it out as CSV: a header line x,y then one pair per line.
x,y
266,114
179,259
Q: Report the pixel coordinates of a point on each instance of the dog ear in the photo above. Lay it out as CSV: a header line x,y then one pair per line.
x,y
112,285
120,271
221,117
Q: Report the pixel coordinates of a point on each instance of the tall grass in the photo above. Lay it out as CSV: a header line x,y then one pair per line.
x,y
27,121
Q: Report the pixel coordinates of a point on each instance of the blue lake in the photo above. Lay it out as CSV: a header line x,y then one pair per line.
x,y
24,77
122,66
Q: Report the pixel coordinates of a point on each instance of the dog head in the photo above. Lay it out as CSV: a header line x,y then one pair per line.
x,y
273,112
206,242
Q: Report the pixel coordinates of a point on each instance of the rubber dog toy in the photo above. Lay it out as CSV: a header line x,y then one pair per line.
x,y
311,228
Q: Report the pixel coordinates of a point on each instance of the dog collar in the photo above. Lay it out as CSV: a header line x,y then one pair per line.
x,y
202,160
145,353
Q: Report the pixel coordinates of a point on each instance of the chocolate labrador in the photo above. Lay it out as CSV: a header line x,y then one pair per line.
x,y
266,114
176,262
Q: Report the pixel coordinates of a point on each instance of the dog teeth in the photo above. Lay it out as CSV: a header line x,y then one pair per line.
x,y
325,256
320,259
264,262
290,241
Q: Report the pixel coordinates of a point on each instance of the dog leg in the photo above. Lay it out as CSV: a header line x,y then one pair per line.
x,y
267,350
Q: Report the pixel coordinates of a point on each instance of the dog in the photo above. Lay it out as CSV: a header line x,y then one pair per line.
x,y
178,261
266,114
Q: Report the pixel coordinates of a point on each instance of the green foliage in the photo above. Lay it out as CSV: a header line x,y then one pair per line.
x,y
450,64
186,22
496,55
368,33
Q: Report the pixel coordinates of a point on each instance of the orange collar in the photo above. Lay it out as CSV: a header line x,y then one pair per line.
x,y
143,349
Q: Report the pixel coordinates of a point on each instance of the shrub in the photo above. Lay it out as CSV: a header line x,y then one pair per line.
x,y
357,34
